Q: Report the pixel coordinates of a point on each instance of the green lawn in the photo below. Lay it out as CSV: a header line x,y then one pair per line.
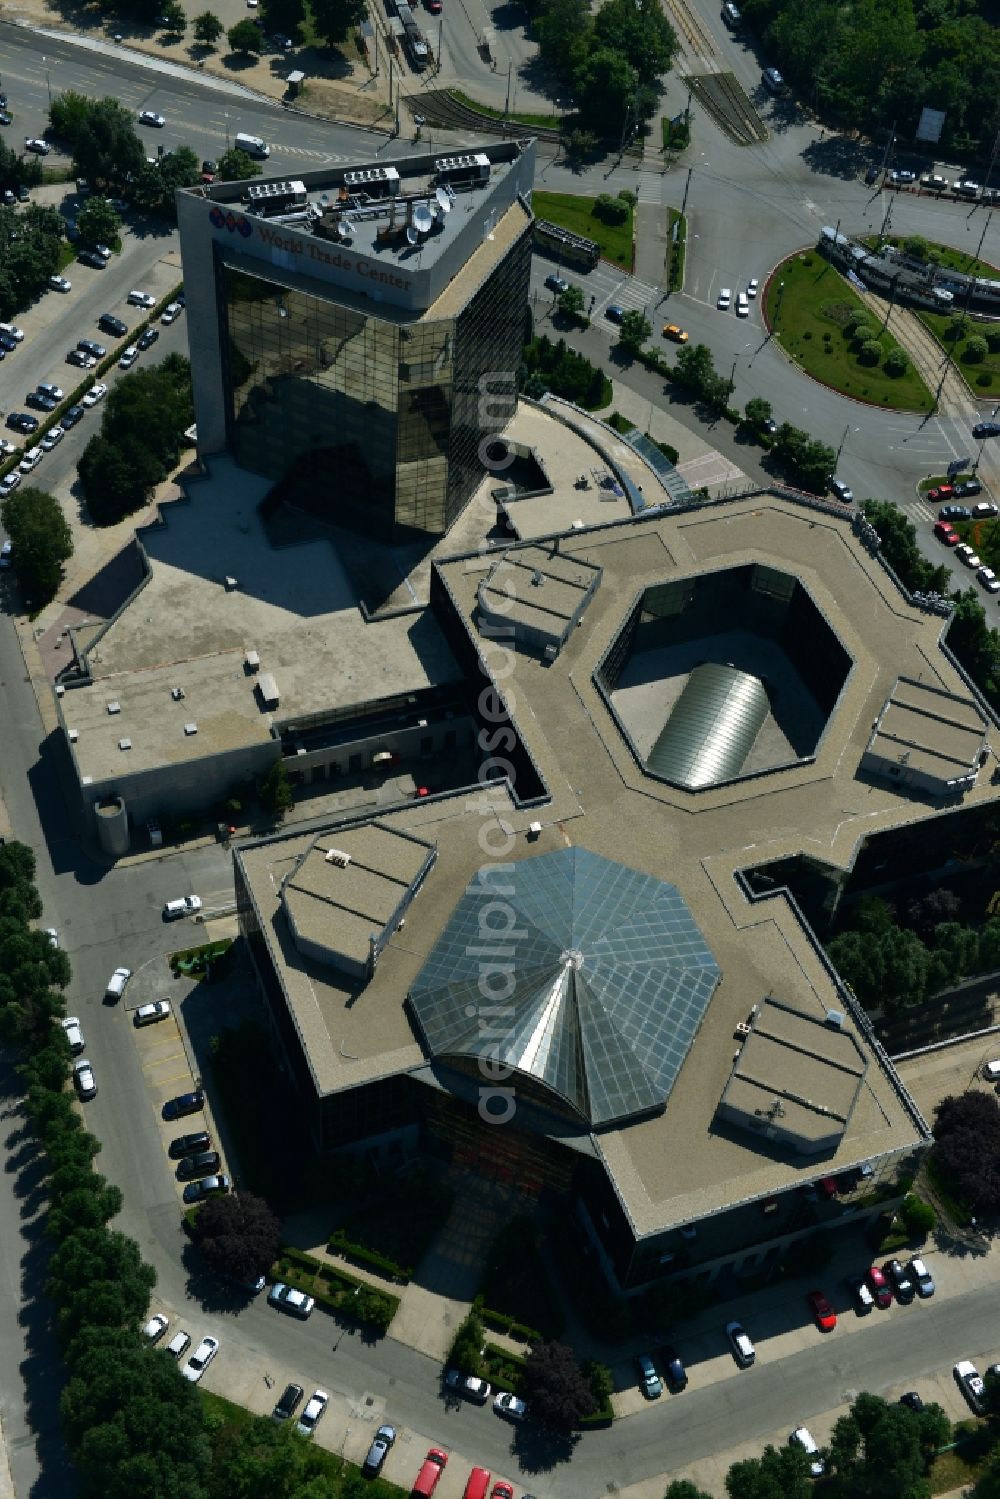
x,y
577,215
815,305
953,332
551,121
984,537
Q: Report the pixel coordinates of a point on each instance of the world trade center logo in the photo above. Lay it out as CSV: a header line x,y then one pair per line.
x,y
235,223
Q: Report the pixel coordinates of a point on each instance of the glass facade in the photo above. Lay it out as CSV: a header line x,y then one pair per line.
x,y
366,422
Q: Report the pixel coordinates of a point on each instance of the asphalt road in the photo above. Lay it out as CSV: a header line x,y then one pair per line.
x,y
747,210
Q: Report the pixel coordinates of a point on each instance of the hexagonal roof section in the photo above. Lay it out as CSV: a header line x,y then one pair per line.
x,y
585,977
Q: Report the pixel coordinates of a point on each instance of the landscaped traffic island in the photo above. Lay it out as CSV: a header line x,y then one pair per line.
x,y
823,325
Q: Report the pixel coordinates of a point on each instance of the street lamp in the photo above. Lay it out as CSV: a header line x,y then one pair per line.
x,y
736,360
556,104
847,429
777,306
48,85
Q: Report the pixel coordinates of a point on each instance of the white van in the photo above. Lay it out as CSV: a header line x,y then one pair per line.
x,y
991,1071
117,982
252,145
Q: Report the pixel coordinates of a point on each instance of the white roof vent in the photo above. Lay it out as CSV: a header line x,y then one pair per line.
x,y
338,856
231,583
114,707
60,690
124,744
190,728
177,693
835,1019
74,735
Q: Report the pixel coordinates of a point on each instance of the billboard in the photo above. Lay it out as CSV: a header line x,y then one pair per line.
x,y
931,125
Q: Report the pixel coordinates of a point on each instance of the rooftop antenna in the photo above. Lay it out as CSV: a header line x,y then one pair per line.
x,y
443,201
411,235
423,219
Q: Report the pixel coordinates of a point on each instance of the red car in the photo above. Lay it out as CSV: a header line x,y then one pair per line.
x,y
942,492
946,533
826,1317
502,1490
880,1287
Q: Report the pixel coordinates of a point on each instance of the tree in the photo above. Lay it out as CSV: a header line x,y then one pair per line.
x,y
606,84
99,1279
966,1151
275,791
334,20
976,349
283,15
928,911
98,221
30,244
564,31
877,1452
918,1217
695,367
237,166
756,412
859,962
245,37
207,28
83,1208
116,478
611,210
898,539
779,1473
18,170
571,302
634,329
238,1234
174,17
103,141
41,541
870,352
640,32
466,1349
683,1488
555,1387
896,362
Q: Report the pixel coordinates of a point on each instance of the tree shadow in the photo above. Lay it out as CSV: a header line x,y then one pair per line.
x,y
239,62
836,156
539,1449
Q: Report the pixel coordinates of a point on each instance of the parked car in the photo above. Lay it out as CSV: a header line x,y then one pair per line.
x,y
204,1163
8,484
752,286
128,358
71,416
879,1287
429,1476
112,324
83,1077
93,259
954,512
501,1490
742,305
185,905
378,1451
288,1402
724,299
861,1294
742,1349
511,1407
940,492
988,579
986,429
20,421
921,1277
842,491
673,1367
902,177
311,1416
179,1344
60,283
895,1272
52,439
184,1103
288,1299
650,1382
823,1312
968,556
946,533
912,1401
984,509
149,1014
468,1386
171,312
40,402
147,339
155,1328
31,460
140,299
94,394
36,145
971,1384
13,331
71,1025
91,346
200,1359
150,117
966,187
934,180
555,283
207,1187
189,1144
803,1437
80,359
773,81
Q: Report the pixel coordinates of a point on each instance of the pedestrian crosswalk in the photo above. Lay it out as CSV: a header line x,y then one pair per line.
x,y
634,296
921,510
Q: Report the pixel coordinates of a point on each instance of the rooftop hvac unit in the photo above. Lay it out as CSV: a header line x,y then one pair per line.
x,y
338,856
835,1019
274,197
114,708
177,693
124,744
470,167
74,735
190,728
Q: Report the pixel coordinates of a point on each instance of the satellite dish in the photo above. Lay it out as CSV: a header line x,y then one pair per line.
x,y
423,219
411,235
443,201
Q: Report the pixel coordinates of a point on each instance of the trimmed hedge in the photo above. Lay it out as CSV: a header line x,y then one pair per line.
x,y
501,1322
339,1243
335,1290
503,1368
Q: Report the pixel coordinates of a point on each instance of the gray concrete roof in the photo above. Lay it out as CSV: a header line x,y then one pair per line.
x,y
935,732
294,605
678,1166
537,586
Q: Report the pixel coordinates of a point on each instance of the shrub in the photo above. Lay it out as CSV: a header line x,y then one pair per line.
x,y
896,362
870,351
466,1349
984,379
976,349
993,340
918,1217
610,210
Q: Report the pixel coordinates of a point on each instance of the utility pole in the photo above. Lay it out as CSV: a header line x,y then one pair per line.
x,y
686,186
888,147
892,300
506,107
440,33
